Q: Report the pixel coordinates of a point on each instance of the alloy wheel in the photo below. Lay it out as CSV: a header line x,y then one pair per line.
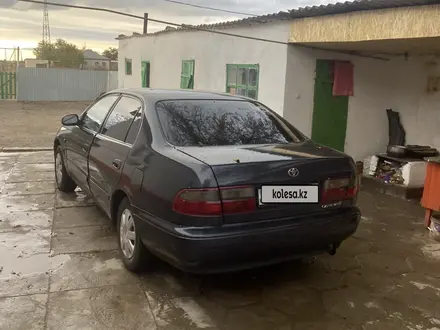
x,y
127,234
58,168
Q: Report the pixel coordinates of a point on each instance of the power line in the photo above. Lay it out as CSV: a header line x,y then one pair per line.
x,y
210,8
190,27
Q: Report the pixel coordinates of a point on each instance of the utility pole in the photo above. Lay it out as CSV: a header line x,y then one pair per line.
x,y
145,23
18,56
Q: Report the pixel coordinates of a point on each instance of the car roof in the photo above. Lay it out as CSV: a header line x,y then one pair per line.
x,y
176,94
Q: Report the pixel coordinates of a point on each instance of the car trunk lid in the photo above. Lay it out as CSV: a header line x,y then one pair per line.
x,y
303,166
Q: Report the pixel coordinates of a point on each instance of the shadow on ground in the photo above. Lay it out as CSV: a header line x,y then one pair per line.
x,y
60,269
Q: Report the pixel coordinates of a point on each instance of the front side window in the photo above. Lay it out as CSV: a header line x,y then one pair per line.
x,y
121,117
242,79
222,122
94,117
187,75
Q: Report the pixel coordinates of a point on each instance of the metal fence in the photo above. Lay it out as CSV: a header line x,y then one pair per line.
x,y
50,84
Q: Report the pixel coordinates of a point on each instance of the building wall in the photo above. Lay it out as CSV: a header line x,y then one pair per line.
x,y
32,63
211,53
378,85
91,64
286,81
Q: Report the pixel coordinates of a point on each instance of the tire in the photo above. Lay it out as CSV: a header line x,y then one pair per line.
x,y
64,182
133,252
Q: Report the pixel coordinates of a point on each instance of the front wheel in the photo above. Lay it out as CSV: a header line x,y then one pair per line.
x,y
64,182
133,252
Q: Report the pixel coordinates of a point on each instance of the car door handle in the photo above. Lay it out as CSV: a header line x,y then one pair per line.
x,y
116,163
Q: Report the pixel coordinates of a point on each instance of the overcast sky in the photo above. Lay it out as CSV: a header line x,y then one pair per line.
x,y
21,23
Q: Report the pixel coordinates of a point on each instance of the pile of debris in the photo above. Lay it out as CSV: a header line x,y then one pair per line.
x,y
389,172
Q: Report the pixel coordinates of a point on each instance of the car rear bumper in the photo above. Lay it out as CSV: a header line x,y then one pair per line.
x,y
238,247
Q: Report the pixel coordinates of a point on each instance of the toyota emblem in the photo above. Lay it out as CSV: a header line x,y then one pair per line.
x,y
293,172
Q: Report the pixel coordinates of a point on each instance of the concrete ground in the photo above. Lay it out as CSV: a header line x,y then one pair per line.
x,y
33,124
60,270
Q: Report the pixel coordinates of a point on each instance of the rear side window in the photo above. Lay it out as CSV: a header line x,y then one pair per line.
x,y
222,122
94,117
121,117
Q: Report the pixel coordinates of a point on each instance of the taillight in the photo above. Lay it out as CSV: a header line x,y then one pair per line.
x,y
238,199
214,201
336,190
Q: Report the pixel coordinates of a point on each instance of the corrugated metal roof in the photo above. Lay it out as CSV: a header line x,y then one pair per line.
x,y
309,11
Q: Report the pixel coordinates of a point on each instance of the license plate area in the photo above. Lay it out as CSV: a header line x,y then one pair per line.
x,y
305,194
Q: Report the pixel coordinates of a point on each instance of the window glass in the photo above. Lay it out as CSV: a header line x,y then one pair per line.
x,y
232,76
134,129
94,117
219,122
253,77
119,121
242,79
242,76
252,93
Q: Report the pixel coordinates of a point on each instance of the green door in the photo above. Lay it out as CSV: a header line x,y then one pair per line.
x,y
145,74
329,123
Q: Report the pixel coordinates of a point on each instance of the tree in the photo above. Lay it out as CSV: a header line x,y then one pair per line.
x,y
67,54
111,53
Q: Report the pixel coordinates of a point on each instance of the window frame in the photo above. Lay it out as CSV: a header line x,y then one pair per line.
x,y
141,113
84,113
141,110
246,87
127,62
184,75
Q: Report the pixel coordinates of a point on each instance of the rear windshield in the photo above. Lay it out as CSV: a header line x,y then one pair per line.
x,y
222,122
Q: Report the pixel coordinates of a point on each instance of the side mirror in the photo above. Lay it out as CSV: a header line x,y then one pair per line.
x,y
70,120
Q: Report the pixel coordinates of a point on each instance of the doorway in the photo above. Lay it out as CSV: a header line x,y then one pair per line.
x,y
329,123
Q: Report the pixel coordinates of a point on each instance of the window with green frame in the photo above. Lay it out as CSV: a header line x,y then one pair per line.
x,y
187,74
242,79
128,67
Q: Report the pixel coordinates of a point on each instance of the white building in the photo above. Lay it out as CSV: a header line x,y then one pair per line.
x,y
35,63
395,67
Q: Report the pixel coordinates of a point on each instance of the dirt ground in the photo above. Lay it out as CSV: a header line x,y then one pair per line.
x,y
60,269
33,124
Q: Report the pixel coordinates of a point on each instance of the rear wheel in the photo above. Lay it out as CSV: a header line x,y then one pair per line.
x,y
133,252
64,182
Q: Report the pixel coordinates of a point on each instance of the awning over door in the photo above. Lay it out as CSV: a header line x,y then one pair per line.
x,y
414,30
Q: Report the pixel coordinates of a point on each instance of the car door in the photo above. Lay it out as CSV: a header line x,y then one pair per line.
x,y
109,150
77,147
